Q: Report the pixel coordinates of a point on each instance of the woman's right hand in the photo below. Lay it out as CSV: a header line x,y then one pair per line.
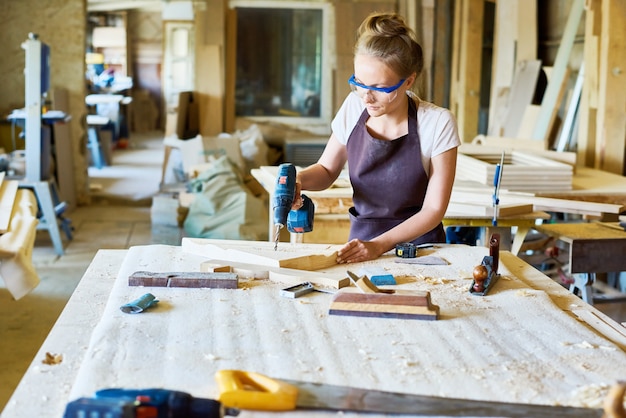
x,y
297,197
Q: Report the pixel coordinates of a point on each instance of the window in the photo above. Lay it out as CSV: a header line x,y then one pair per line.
x,y
282,66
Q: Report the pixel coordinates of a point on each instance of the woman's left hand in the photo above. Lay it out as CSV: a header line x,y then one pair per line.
x,y
356,251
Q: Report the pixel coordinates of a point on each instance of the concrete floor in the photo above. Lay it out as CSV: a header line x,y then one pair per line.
x,y
118,218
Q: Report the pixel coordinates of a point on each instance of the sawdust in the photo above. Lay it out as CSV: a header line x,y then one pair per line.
x,y
505,345
588,345
591,396
52,359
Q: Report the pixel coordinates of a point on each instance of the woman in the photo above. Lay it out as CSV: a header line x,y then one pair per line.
x,y
401,151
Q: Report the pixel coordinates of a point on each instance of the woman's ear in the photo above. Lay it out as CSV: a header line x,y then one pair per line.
x,y
410,80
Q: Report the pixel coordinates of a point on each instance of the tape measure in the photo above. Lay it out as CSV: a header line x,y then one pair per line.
x,y
406,250
409,250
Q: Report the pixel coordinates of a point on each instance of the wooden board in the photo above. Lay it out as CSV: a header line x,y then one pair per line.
x,y
400,304
522,91
521,171
477,209
184,279
262,255
280,275
8,190
496,145
611,129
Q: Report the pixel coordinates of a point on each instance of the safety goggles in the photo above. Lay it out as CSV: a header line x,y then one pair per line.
x,y
380,94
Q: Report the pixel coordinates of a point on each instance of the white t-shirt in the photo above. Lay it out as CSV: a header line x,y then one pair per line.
x,y
436,126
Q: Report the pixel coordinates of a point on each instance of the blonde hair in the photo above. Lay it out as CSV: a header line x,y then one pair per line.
x,y
387,36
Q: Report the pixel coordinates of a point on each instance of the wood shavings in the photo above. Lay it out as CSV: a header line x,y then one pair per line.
x,y
590,396
438,280
525,293
367,355
211,357
52,359
588,345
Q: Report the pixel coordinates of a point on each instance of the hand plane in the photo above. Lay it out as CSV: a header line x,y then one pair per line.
x,y
486,274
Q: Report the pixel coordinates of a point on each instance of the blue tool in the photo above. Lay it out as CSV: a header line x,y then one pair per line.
x,y
497,179
297,221
157,403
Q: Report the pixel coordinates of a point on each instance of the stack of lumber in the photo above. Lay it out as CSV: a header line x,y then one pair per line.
x,y
18,224
522,171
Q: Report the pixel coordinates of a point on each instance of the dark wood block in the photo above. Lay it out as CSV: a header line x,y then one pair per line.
x,y
401,304
184,279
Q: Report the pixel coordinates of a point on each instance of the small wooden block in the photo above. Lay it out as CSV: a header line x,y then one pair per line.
x,y
215,267
248,271
402,304
184,279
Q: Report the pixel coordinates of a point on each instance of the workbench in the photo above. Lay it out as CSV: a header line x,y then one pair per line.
x,y
529,340
332,223
594,247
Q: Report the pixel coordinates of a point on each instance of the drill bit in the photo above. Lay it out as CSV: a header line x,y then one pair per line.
x,y
276,235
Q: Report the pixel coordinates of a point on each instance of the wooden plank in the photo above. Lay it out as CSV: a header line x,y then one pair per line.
x,y
262,255
496,145
442,60
521,96
589,98
539,203
605,328
550,102
8,191
503,63
521,171
467,208
184,279
611,129
467,61
529,120
281,275
526,41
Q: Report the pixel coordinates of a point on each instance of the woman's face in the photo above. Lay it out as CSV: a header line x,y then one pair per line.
x,y
373,72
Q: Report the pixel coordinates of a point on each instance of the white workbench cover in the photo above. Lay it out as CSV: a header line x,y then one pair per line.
x,y
513,345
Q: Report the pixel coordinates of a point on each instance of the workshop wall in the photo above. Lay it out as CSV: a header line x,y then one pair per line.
x,y
61,25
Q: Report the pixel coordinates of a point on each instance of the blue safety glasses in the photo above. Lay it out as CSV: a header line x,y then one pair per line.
x,y
378,93
387,90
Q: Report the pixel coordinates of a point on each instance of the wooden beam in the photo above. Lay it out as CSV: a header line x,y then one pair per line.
x,y
586,141
231,70
467,61
8,190
503,63
611,125
441,60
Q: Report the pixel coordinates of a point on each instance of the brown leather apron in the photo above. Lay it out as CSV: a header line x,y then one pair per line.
x,y
388,180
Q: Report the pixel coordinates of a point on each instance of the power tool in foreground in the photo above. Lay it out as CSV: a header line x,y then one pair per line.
x,y
148,403
297,221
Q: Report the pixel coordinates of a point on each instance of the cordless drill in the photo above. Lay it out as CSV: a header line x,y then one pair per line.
x,y
298,221
148,403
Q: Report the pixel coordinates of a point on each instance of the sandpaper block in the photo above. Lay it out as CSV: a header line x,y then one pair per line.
x,y
370,301
378,275
184,279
